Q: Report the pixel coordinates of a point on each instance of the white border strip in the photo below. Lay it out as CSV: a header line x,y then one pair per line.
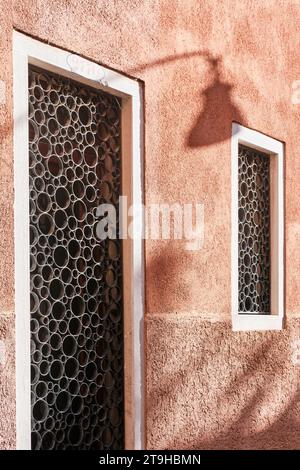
x,y
259,141
27,50
21,239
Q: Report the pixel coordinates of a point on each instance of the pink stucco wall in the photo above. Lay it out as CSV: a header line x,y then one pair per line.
x,y
205,385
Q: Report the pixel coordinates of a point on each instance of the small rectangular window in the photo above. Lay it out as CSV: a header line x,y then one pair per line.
x,y
254,232
257,230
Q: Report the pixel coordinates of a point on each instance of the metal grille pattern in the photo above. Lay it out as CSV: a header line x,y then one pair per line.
x,y
76,299
254,231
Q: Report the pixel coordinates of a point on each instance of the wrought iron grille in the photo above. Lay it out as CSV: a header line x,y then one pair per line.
x,y
254,231
76,280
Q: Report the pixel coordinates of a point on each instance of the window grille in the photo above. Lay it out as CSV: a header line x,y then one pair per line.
x,y
254,231
76,281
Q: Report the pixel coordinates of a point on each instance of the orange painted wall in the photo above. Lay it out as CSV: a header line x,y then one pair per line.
x,y
205,385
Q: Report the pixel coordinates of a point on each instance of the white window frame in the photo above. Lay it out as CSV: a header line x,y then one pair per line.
x,y
275,149
30,51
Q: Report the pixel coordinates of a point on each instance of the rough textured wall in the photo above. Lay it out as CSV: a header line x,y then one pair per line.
x,y
204,64
209,388
7,382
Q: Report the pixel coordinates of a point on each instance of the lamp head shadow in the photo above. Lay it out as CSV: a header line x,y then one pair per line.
x,y
214,122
